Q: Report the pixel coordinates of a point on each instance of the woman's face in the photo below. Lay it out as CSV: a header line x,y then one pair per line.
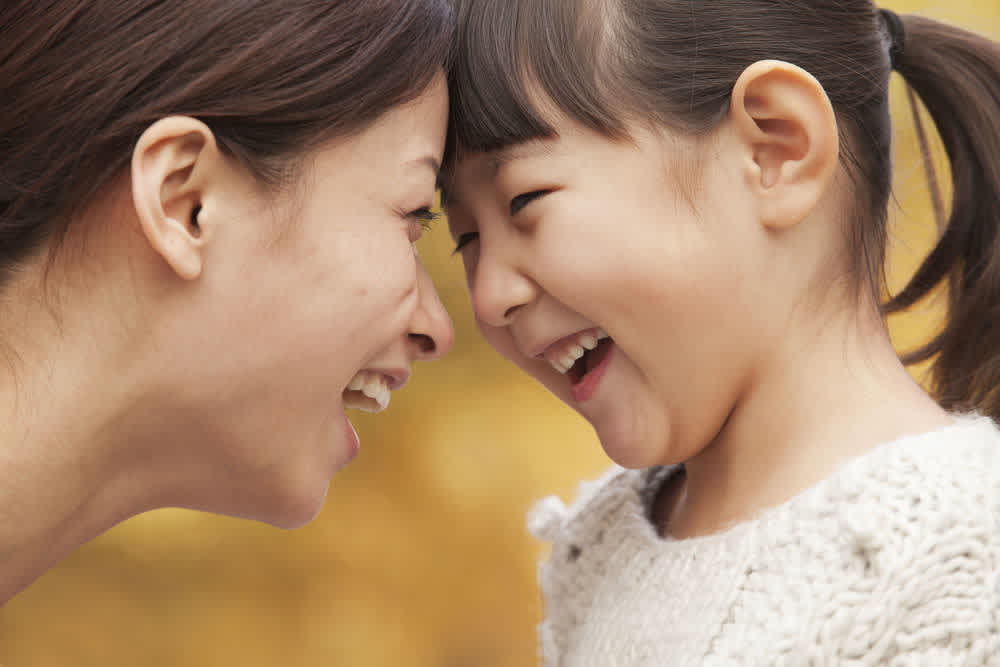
x,y
320,299
569,240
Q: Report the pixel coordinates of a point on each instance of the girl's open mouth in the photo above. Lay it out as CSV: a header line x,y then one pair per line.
x,y
591,360
588,371
583,359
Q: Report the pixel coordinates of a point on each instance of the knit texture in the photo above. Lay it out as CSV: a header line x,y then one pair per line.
x,y
892,560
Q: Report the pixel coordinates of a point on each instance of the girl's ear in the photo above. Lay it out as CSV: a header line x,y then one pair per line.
x,y
790,132
172,165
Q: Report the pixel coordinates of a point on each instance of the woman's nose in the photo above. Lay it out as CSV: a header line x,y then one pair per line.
x,y
431,334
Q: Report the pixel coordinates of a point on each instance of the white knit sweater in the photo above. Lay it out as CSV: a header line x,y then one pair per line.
x,y
893,560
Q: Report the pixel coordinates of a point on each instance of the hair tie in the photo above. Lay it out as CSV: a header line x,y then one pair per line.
x,y
897,36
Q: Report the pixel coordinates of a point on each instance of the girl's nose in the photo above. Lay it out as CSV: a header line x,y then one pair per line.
x,y
498,291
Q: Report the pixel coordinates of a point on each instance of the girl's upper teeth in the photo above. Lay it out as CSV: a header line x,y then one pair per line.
x,y
563,358
588,341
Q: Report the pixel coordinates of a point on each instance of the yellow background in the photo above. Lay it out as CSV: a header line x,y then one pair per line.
x,y
420,557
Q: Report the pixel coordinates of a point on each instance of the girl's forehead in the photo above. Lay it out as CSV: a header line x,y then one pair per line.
x,y
475,170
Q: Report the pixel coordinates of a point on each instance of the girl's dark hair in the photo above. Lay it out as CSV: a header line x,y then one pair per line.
x,y
676,62
81,81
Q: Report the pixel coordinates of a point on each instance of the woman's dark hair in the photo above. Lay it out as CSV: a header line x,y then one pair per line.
x,y
676,62
81,81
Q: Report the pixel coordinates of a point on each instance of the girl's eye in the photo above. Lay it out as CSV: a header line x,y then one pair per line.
x,y
520,201
464,240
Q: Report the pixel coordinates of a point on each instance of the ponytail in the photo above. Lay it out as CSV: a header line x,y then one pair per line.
x,y
956,73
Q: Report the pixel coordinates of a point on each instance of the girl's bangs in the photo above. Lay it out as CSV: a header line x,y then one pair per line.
x,y
491,107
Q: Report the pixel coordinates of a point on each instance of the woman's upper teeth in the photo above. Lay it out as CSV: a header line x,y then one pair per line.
x,y
368,391
563,357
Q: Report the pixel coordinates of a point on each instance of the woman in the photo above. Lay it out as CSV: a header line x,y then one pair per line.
x,y
207,218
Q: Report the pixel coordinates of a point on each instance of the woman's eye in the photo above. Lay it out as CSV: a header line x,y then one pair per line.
x,y
426,217
520,201
464,240
421,220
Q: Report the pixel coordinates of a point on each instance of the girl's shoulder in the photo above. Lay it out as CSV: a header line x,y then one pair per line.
x,y
597,504
914,480
918,475
896,553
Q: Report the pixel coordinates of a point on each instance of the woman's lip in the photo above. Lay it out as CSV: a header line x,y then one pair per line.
x,y
395,378
587,387
352,439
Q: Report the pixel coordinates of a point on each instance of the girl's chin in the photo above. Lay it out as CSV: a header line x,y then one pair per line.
x,y
631,438
630,457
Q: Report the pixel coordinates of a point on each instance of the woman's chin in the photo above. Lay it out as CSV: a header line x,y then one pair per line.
x,y
294,499
296,508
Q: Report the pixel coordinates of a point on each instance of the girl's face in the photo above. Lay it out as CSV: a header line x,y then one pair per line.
x,y
570,239
316,298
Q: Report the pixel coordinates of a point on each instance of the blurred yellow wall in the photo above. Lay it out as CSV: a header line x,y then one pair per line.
x,y
420,558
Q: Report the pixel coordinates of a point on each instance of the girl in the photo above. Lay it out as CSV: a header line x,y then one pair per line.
x,y
207,211
673,215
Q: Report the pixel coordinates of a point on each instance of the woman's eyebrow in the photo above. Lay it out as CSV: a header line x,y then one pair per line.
x,y
429,161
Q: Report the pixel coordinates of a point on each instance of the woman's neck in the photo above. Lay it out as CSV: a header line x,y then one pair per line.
x,y
828,395
63,455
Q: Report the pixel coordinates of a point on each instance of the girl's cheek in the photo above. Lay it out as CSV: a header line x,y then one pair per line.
x,y
500,341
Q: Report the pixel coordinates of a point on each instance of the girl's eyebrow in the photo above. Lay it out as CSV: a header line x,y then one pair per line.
x,y
490,168
520,151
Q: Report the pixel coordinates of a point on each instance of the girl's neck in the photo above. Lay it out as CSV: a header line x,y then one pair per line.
x,y
828,396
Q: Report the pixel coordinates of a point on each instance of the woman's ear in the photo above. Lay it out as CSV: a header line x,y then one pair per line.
x,y
172,164
788,126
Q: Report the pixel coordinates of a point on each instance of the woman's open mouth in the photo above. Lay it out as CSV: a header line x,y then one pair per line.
x,y
369,391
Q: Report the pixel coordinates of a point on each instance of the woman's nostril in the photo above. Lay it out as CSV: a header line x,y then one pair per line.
x,y
424,342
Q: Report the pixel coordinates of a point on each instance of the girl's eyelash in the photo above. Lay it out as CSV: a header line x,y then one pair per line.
x,y
426,217
464,240
520,201
516,204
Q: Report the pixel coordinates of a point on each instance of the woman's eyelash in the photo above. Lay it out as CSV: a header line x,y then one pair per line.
x,y
520,201
426,217
464,240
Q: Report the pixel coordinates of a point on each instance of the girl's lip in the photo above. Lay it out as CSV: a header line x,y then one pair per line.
x,y
587,387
